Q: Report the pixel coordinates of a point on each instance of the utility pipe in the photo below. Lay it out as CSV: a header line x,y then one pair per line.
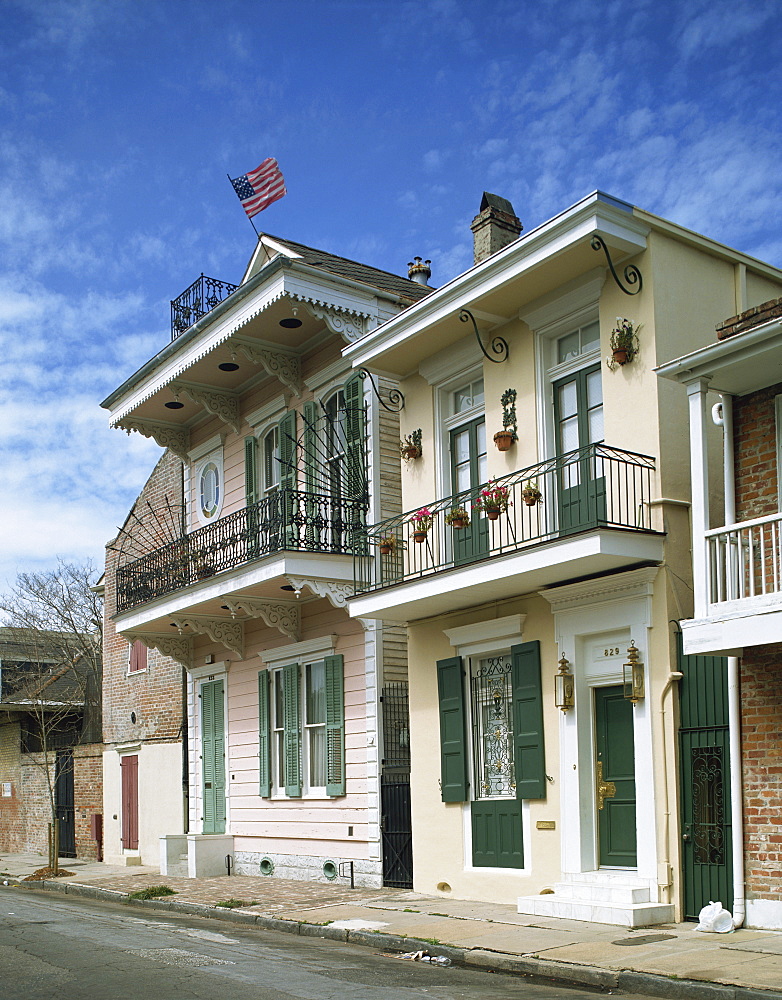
x,y
722,415
674,675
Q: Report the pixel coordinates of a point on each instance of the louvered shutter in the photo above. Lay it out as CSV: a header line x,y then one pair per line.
x,y
286,530
129,801
264,736
311,479
292,730
529,754
453,744
355,444
335,726
251,494
207,756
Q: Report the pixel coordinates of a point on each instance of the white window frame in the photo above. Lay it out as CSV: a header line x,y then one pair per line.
x,y
209,451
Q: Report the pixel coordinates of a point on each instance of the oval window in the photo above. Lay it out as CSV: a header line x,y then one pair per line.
x,y
210,490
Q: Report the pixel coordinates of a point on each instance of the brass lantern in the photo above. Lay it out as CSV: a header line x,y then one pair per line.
x,y
563,686
633,676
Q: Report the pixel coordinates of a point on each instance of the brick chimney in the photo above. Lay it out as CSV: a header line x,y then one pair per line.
x,y
494,227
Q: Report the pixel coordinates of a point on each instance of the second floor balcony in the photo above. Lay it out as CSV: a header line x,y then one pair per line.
x,y
576,515
285,521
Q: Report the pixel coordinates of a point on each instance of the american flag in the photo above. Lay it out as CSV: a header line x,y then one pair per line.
x,y
258,188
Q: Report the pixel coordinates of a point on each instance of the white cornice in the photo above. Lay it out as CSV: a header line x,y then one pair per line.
x,y
632,584
561,305
451,361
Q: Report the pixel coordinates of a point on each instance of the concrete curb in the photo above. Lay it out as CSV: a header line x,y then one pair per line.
x,y
646,983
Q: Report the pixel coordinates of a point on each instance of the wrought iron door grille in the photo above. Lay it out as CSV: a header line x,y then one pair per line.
x,y
396,727
492,728
708,806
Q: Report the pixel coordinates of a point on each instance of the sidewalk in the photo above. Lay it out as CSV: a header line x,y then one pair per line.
x,y
672,960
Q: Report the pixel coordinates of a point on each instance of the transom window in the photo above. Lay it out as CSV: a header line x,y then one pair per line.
x,y
467,397
584,340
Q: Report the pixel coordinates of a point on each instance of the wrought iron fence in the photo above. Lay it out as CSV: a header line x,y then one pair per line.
x,y
196,301
285,520
593,487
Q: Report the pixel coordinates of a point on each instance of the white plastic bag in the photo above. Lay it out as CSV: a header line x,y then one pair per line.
x,y
714,919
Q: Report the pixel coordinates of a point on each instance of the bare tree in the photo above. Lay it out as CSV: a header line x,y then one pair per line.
x,y
51,680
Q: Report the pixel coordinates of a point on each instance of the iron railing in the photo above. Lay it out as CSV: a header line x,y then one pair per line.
x,y
285,520
593,487
745,559
196,301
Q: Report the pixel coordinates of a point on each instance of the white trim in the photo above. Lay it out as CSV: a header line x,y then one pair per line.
x,y
268,411
451,362
128,748
561,310
778,421
309,651
213,458
206,447
339,369
486,637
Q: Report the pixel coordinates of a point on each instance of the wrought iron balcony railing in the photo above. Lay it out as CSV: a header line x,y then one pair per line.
x,y
285,520
196,301
594,487
745,560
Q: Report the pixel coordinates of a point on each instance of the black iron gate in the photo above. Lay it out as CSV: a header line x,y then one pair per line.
x,y
64,802
396,822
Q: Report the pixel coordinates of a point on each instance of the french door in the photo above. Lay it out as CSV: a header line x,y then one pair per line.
x,y
468,472
578,416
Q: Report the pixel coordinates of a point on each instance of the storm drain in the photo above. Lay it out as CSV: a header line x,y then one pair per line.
x,y
178,956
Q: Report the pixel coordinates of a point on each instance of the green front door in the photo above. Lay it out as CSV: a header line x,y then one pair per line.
x,y
615,778
578,415
468,472
213,754
705,782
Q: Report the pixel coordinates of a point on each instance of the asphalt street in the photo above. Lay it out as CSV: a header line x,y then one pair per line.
x,y
91,950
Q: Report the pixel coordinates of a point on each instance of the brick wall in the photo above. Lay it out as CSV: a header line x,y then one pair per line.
x,y
11,814
761,721
755,466
87,795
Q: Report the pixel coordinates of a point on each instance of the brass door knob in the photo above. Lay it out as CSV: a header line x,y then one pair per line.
x,y
605,789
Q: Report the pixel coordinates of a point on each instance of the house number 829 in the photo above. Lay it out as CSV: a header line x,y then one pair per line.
x,y
613,651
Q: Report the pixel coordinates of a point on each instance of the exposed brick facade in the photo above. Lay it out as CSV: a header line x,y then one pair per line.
x,y
755,448
750,318
761,721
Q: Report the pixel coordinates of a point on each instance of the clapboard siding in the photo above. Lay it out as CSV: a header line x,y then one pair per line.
x,y
394,653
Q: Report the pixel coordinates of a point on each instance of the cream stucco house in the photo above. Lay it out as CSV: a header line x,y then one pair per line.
x,y
559,792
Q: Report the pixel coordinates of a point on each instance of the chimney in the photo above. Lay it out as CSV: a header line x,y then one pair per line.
x,y
416,271
494,227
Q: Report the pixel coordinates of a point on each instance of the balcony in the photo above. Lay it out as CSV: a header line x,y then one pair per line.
x,y
591,514
196,301
286,521
744,588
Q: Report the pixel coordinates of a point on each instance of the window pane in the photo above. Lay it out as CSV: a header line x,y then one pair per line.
x,y
317,755
594,389
316,693
568,434
462,399
567,347
477,392
596,425
271,463
492,728
568,400
590,337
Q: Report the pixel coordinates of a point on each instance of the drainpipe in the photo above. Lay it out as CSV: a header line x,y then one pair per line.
x,y
674,675
722,414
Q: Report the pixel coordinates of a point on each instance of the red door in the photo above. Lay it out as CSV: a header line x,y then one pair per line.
x,y
129,771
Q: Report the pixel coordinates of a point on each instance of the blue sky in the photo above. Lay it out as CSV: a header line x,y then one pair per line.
x,y
119,120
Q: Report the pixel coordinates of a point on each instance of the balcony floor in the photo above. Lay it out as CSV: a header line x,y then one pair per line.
x,y
521,572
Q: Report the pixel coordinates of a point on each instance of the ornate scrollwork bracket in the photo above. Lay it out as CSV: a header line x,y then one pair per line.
x,y
631,272
396,401
498,344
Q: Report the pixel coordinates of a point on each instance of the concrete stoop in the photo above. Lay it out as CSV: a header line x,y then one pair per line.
x,y
602,898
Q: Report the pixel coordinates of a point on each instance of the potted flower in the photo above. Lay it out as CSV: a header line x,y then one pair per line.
x,y
410,446
624,342
530,494
387,544
504,439
203,567
493,500
421,521
457,517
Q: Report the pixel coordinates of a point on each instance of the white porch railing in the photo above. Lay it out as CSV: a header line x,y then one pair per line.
x,y
745,560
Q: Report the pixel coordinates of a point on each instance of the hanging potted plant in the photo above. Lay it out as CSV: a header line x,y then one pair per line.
x,y
493,500
421,521
387,544
508,435
410,446
530,494
457,517
624,342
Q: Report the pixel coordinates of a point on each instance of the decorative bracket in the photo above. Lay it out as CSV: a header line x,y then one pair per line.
x,y
179,648
176,440
285,367
337,593
631,272
395,397
283,615
498,344
348,327
220,404
228,633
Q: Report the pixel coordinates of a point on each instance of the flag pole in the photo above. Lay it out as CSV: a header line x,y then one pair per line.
x,y
230,181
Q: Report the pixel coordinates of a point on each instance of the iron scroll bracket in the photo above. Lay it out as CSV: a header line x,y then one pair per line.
x,y
631,272
396,401
498,344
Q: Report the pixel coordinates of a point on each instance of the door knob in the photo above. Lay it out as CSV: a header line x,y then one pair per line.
x,y
685,836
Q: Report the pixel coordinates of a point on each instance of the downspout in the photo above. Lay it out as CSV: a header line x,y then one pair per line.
x,y
722,414
674,675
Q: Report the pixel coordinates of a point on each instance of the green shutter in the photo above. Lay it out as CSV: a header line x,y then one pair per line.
x,y
497,840
529,753
335,726
311,485
251,494
453,745
264,737
288,478
292,730
213,756
355,443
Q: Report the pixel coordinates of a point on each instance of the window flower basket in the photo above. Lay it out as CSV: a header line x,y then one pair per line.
x,y
624,343
421,521
492,500
530,494
457,518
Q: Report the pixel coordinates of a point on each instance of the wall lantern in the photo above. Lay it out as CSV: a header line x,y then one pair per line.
x,y
563,686
633,676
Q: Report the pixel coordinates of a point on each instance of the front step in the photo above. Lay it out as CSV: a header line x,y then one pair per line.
x,y
601,898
